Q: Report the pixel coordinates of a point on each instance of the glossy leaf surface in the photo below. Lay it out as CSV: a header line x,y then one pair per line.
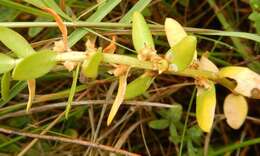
x,y
138,86
15,42
35,66
174,31
141,34
91,65
182,54
205,107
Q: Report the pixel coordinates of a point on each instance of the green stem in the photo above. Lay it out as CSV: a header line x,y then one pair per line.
x,y
236,146
134,62
186,121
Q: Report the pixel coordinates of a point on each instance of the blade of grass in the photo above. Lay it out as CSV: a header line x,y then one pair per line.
x,y
21,7
15,90
235,146
72,91
139,6
186,121
101,12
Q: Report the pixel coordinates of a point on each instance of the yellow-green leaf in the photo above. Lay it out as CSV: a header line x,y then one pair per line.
x,y
15,42
205,107
6,63
90,66
248,82
5,86
174,31
235,110
182,54
35,65
138,86
141,34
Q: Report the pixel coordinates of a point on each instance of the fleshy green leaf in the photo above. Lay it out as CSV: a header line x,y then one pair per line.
x,y
159,124
90,66
6,63
35,66
138,86
15,42
205,106
141,34
5,86
235,110
174,31
248,82
182,54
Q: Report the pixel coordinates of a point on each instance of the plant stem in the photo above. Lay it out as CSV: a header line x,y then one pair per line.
x,y
236,146
135,63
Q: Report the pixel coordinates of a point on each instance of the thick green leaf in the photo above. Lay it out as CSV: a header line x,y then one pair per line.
x,y
6,63
181,55
159,124
141,34
15,42
90,66
138,86
35,66
205,106
5,86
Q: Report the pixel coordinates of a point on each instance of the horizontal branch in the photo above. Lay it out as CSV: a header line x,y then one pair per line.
x,y
136,63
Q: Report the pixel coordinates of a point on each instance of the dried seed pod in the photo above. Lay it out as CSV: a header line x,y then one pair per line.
x,y
91,65
182,54
205,106
248,82
235,110
141,34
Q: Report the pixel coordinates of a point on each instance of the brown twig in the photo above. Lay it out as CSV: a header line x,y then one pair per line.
x,y
67,140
